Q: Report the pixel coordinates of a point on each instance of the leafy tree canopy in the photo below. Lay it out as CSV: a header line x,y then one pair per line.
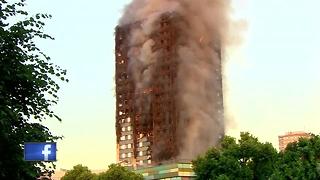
x,y
250,159
79,172
246,159
114,172
300,160
117,172
28,89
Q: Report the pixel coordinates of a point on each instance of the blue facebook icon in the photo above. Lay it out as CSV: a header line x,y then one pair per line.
x,y
34,151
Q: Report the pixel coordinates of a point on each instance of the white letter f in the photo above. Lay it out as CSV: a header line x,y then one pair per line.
x,y
46,151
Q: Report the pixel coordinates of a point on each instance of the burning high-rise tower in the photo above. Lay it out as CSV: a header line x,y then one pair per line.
x,y
169,103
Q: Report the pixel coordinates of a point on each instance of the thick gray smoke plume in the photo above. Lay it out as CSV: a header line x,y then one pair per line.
x,y
203,33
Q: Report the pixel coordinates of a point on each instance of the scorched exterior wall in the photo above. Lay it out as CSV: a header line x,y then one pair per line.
x,y
148,135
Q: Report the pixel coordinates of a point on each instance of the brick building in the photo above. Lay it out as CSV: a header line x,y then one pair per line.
x,y
290,137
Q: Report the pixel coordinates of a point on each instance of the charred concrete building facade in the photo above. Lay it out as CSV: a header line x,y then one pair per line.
x,y
150,121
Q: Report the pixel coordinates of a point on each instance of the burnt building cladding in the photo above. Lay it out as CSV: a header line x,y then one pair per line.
x,y
157,120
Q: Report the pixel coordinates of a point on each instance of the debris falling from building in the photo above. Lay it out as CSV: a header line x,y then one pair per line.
x,y
168,79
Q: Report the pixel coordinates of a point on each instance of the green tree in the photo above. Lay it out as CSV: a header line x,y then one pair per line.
x,y
259,157
247,159
79,172
28,89
300,160
114,172
117,172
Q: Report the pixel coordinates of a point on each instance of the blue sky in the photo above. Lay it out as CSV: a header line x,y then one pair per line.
x,y
272,81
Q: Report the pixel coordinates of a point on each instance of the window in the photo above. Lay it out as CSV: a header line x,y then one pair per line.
x,y
123,138
140,144
128,119
129,128
141,162
123,155
123,129
129,145
123,147
129,154
149,161
140,153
